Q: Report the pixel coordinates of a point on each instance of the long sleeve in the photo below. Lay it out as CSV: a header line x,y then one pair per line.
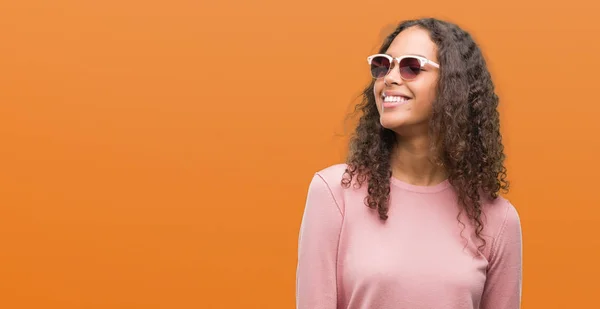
x,y
316,285
504,278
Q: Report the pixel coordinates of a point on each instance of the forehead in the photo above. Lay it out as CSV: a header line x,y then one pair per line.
x,y
413,41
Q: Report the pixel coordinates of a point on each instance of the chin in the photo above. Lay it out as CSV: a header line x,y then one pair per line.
x,y
392,122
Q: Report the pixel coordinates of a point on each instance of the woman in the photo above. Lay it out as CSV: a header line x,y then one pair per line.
x,y
414,218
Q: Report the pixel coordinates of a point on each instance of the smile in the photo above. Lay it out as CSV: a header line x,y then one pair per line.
x,y
395,99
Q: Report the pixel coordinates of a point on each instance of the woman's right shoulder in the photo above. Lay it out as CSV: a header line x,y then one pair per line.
x,y
332,174
328,182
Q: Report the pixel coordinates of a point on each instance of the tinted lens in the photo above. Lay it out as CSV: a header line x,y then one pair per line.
x,y
380,66
410,68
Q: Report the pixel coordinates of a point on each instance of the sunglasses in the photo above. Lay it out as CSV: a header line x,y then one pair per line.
x,y
410,65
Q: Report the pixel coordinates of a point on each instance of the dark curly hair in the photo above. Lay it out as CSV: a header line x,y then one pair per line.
x,y
464,128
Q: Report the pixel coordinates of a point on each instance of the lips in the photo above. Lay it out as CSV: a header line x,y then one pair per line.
x,y
393,99
394,95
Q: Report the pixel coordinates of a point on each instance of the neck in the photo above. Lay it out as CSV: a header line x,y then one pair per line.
x,y
411,162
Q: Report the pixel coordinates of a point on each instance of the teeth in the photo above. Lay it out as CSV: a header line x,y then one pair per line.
x,y
394,99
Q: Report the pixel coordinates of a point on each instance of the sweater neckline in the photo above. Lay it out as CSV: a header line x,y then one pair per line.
x,y
421,189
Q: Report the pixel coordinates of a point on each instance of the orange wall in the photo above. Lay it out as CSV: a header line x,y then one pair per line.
x,y
157,154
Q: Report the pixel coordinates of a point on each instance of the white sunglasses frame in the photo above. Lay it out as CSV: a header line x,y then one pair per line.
x,y
422,61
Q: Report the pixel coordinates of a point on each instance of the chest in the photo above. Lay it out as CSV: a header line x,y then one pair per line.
x,y
414,253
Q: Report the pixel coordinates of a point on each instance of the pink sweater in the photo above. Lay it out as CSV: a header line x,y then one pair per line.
x,y
349,259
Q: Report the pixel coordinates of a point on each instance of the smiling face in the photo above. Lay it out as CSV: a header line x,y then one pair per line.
x,y
406,106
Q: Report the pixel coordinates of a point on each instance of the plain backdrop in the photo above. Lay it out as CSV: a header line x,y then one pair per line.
x,y
157,154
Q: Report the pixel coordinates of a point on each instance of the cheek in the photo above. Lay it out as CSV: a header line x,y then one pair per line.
x,y
427,98
377,88
426,94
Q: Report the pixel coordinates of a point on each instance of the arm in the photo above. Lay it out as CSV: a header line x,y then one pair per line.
x,y
316,286
504,277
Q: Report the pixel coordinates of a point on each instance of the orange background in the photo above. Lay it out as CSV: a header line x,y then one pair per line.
x,y
157,154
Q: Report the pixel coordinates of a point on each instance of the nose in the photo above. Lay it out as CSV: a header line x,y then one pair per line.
x,y
393,76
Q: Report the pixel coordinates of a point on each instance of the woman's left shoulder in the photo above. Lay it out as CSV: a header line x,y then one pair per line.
x,y
498,206
500,214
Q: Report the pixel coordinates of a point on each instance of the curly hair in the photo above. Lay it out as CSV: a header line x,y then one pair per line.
x,y
464,128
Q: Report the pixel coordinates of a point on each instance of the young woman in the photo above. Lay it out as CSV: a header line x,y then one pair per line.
x,y
414,219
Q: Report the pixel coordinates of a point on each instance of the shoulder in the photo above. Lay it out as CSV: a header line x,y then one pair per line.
x,y
327,182
500,213
502,221
332,174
